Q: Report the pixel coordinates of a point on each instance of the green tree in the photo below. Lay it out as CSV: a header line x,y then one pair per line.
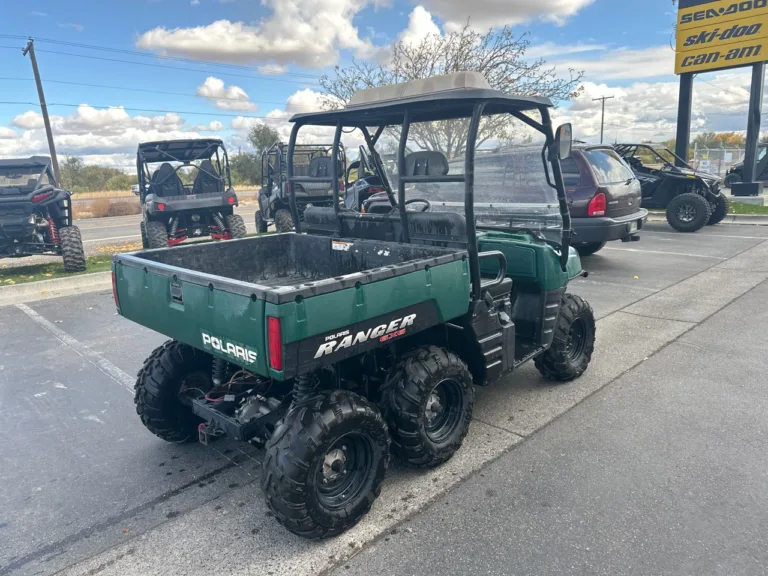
x,y
245,169
262,137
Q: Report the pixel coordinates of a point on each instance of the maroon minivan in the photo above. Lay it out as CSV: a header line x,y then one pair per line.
x,y
603,196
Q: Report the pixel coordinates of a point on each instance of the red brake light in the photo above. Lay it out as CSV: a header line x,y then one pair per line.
x,y
377,190
597,205
114,290
231,200
37,198
275,343
161,206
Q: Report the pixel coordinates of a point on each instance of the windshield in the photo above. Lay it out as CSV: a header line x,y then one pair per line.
x,y
24,176
511,189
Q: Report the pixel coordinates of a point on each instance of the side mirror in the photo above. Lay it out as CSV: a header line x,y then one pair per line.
x,y
564,141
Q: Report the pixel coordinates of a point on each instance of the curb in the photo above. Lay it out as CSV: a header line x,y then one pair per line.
x,y
743,219
45,289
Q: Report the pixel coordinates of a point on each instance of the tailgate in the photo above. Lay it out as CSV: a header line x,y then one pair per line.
x,y
188,307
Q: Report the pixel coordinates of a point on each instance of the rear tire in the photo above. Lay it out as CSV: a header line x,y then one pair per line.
x,y
169,370
688,212
589,248
236,226
731,179
144,239
720,209
428,400
157,234
283,221
325,463
261,224
574,342
72,251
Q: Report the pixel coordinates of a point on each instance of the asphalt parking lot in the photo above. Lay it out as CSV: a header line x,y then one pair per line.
x,y
87,490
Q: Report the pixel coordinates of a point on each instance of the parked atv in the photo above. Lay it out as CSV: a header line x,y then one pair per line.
x,y
366,333
692,199
735,173
175,211
310,161
36,215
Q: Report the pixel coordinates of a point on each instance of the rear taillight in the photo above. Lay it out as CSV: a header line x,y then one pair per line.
x,y
231,200
287,188
161,206
597,205
376,190
114,290
37,198
275,343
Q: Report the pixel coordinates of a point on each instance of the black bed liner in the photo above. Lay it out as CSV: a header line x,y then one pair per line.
x,y
279,267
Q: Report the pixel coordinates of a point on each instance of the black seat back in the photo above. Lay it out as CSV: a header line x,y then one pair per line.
x,y
207,180
320,167
426,163
166,183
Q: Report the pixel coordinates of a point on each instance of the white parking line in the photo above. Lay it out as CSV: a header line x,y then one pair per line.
x,y
667,253
102,364
112,238
678,234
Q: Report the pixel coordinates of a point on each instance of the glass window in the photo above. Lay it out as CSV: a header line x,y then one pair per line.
x,y
571,174
608,167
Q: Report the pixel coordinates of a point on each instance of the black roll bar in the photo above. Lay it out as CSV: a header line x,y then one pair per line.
x,y
406,235
469,200
565,213
335,173
291,183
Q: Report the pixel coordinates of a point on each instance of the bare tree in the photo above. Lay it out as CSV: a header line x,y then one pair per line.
x,y
498,54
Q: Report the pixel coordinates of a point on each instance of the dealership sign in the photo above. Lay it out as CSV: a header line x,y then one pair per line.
x,y
716,34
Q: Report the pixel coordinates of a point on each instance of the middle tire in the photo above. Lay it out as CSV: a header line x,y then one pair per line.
x,y
325,463
283,221
236,226
157,234
428,399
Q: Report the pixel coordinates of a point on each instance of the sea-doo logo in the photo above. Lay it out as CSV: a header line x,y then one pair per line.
x,y
238,352
384,333
712,13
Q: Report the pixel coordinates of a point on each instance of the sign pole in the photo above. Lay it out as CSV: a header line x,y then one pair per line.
x,y
749,187
684,106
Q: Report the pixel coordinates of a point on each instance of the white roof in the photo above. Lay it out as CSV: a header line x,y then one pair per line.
x,y
434,85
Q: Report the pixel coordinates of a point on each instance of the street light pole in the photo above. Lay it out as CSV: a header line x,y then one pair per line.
x,y
30,49
602,119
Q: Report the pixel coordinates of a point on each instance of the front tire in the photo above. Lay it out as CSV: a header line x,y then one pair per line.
x,y
144,239
574,342
688,212
283,221
72,250
589,248
428,400
325,463
261,224
719,209
170,371
732,179
157,234
236,226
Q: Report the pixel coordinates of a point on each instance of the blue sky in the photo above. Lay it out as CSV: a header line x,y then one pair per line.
x,y
622,45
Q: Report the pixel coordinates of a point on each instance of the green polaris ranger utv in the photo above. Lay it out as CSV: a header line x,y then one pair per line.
x,y
361,334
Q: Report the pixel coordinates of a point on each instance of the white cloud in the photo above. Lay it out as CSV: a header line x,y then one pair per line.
x,y
625,64
495,13
420,26
8,133
213,126
549,49
273,69
308,33
38,14
78,27
225,98
94,132
194,3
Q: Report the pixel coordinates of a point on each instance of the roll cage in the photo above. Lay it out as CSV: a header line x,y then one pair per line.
x,y
184,153
448,104
273,160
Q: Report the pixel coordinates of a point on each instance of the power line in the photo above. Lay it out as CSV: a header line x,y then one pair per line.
x,y
122,88
156,56
151,65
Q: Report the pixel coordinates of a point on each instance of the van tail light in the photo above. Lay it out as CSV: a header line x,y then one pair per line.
x,y
275,343
597,205
114,290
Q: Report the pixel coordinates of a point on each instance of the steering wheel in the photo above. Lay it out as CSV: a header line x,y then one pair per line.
x,y
427,203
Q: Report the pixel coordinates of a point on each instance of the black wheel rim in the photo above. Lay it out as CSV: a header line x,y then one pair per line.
x,y
578,339
686,213
344,470
443,410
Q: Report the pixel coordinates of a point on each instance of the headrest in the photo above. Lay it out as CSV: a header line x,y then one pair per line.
x,y
426,163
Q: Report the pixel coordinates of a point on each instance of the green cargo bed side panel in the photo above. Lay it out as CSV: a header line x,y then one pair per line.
x,y
529,261
447,285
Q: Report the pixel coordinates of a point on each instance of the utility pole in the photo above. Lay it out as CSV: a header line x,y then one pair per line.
x,y
602,120
30,49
